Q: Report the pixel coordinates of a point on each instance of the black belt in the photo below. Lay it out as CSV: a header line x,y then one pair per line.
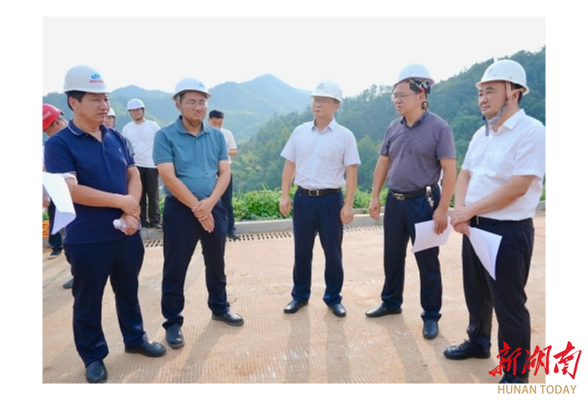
x,y
411,195
318,192
490,221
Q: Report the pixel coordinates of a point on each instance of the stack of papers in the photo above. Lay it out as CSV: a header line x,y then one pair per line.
x,y
485,244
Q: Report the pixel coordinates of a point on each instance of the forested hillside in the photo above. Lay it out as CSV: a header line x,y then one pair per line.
x,y
369,114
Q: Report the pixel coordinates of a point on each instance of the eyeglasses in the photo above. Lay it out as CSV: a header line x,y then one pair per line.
x,y
320,101
196,104
400,97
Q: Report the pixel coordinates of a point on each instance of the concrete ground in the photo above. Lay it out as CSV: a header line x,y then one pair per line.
x,y
311,346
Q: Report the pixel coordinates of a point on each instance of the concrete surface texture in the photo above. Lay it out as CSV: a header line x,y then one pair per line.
x,y
311,346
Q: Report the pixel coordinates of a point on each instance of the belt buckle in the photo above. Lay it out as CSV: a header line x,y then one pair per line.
x,y
314,193
398,196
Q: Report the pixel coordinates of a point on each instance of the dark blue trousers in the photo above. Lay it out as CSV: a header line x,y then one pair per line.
x,y
92,264
322,215
506,294
181,233
227,199
54,241
399,220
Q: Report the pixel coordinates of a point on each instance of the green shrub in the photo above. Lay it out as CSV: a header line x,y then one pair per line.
x,y
258,205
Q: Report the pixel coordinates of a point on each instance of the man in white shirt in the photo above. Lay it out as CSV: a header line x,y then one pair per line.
x,y
141,133
497,190
321,157
216,119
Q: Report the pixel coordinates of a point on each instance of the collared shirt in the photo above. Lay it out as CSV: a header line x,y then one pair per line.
x,y
195,158
415,152
518,148
321,157
101,165
141,137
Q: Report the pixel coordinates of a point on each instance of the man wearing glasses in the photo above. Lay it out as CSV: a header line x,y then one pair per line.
x,y
321,157
193,163
417,148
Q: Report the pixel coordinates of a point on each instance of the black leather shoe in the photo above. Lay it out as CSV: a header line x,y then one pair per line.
x,y
234,236
96,372
380,311
338,310
511,378
157,226
174,337
68,284
294,306
465,350
230,318
430,329
152,349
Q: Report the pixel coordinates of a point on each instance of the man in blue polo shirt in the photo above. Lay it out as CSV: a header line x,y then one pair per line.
x,y
193,163
108,188
417,149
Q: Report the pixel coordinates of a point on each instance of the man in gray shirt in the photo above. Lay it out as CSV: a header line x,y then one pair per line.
x,y
417,148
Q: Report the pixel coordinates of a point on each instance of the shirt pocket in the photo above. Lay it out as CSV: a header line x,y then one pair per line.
x,y
500,163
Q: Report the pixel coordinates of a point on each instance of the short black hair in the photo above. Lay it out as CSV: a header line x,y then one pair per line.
x,y
216,114
76,94
517,86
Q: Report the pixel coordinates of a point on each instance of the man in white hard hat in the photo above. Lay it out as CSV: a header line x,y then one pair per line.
x,y
498,189
418,147
110,119
108,188
141,132
193,164
321,157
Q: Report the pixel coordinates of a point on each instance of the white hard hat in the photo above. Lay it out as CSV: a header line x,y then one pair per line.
x,y
191,84
328,89
84,79
133,104
506,70
111,112
416,71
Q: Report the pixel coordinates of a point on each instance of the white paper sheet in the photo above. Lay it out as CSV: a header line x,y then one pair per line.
x,y
57,189
486,246
425,236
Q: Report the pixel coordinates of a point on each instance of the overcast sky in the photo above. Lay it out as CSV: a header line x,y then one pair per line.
x,y
155,53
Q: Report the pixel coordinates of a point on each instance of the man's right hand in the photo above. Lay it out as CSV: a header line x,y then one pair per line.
x,y
375,208
285,205
130,206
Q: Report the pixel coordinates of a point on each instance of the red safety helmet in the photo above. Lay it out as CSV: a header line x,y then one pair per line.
x,y
50,114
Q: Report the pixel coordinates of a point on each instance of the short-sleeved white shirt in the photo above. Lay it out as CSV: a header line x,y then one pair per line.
x,y
141,137
230,139
518,148
321,157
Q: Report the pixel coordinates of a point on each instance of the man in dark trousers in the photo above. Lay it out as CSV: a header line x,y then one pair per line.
x,y
498,189
108,188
